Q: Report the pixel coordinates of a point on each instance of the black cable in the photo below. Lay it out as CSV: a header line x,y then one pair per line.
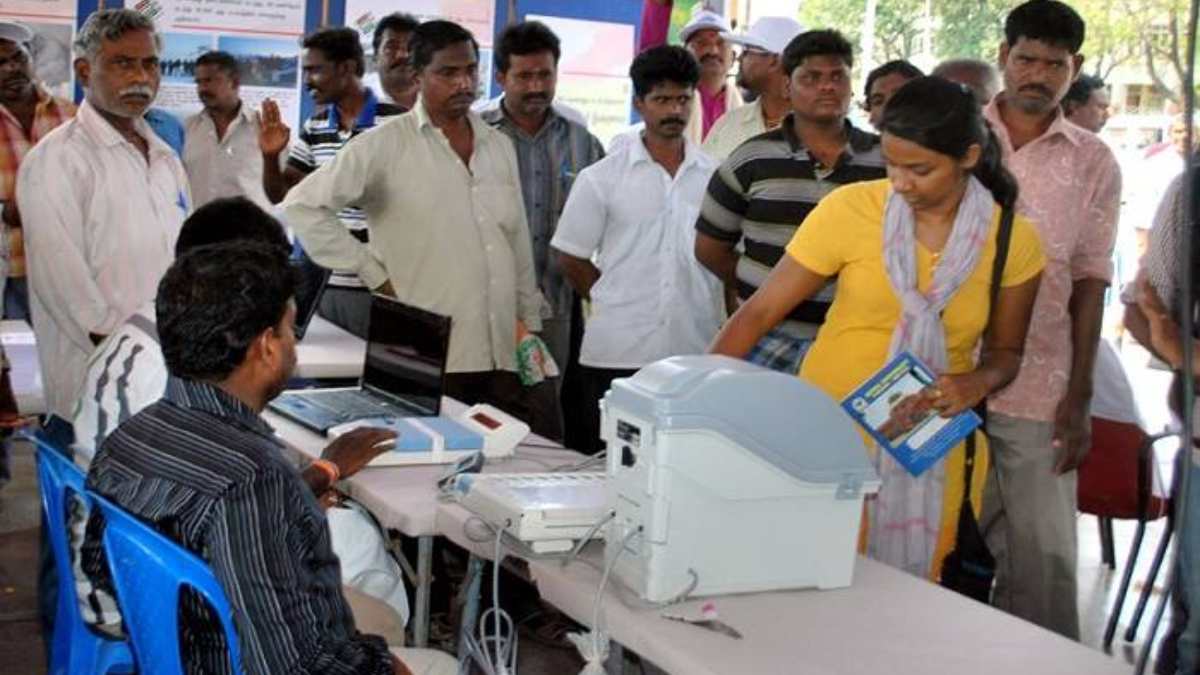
x,y
1186,330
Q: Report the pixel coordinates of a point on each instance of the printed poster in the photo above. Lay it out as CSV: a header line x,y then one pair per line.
x,y
474,15
53,26
263,35
593,73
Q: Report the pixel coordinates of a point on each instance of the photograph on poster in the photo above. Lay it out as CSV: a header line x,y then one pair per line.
x,y
52,56
180,51
264,62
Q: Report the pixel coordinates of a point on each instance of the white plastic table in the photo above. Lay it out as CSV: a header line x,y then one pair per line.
x,y
328,351
405,498
26,376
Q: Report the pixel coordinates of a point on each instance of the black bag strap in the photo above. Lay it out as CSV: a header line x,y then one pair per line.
x,y
1003,239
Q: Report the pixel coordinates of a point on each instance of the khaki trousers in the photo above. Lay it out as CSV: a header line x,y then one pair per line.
x,y
1028,521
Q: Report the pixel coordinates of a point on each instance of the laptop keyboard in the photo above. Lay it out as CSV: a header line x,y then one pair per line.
x,y
348,404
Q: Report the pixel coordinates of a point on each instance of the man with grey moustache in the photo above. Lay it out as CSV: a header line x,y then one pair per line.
x,y
97,249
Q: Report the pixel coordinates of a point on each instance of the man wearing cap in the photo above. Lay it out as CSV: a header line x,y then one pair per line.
x,y
705,37
27,113
760,71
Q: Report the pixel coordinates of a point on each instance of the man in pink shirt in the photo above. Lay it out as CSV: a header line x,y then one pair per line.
x,y
1070,188
704,36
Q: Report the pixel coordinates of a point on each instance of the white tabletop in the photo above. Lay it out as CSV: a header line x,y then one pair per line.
x,y
328,351
405,497
886,622
26,376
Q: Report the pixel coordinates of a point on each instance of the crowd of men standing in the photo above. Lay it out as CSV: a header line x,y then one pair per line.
x,y
510,217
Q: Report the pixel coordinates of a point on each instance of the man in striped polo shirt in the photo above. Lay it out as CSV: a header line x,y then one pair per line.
x,y
333,70
765,189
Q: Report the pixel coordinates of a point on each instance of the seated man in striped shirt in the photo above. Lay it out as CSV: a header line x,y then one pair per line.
x,y
769,184
127,372
204,469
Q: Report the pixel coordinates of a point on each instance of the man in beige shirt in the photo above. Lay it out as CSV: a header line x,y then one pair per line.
x,y
441,192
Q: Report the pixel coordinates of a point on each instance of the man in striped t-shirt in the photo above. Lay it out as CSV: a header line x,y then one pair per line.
x,y
768,185
333,70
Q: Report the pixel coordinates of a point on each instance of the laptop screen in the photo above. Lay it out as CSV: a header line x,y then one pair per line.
x,y
406,354
310,284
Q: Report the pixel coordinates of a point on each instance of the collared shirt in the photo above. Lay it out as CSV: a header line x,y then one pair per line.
x,y
734,128
320,140
702,119
224,167
206,471
124,374
549,162
452,238
14,145
1070,188
100,226
652,300
763,192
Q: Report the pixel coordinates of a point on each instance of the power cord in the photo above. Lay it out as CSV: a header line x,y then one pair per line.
x,y
502,660
593,646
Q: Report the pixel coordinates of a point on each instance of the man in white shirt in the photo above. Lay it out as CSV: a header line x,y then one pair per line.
x,y
220,149
102,199
705,36
633,212
441,195
760,71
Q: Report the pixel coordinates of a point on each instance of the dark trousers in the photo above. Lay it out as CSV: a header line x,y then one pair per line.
x,y
595,383
537,406
347,308
571,394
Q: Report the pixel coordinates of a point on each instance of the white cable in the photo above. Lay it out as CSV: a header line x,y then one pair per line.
x,y
596,652
502,659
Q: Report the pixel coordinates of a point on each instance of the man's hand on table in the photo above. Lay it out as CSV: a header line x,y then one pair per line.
x,y
398,666
355,449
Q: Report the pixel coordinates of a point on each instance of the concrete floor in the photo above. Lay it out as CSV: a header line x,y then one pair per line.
x,y
20,638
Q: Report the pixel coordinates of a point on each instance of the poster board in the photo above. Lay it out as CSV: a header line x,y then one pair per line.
x,y
477,16
263,35
593,72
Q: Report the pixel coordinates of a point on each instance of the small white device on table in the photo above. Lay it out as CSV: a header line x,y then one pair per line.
x,y
501,432
548,511
751,479
419,440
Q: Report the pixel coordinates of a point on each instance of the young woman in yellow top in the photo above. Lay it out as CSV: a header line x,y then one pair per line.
x,y
913,259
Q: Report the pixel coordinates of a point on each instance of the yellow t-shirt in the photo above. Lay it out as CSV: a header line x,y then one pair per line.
x,y
843,236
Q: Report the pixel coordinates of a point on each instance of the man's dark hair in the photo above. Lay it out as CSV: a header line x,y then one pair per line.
x,y
817,43
897,67
230,219
1081,90
214,301
522,39
667,63
397,22
223,61
433,36
1048,21
338,44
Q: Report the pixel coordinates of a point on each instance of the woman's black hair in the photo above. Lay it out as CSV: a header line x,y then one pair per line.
x,y
944,116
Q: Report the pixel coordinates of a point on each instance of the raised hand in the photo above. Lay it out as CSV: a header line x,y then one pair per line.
x,y
273,134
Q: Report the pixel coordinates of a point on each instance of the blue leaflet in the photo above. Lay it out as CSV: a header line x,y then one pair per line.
x,y
893,406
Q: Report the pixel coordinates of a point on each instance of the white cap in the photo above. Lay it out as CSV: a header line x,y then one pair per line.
x,y
770,34
705,20
15,32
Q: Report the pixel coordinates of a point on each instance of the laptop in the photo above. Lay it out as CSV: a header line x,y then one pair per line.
x,y
402,376
311,279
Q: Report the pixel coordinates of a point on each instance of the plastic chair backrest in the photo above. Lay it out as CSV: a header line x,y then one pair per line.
x,y
75,648
150,572
1116,479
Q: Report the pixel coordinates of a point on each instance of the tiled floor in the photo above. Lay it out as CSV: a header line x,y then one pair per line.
x,y
20,641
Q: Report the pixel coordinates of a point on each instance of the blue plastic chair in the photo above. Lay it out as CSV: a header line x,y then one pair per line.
x,y
75,649
150,572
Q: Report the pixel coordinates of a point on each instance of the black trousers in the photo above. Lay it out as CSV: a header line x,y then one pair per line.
x,y
537,406
595,382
